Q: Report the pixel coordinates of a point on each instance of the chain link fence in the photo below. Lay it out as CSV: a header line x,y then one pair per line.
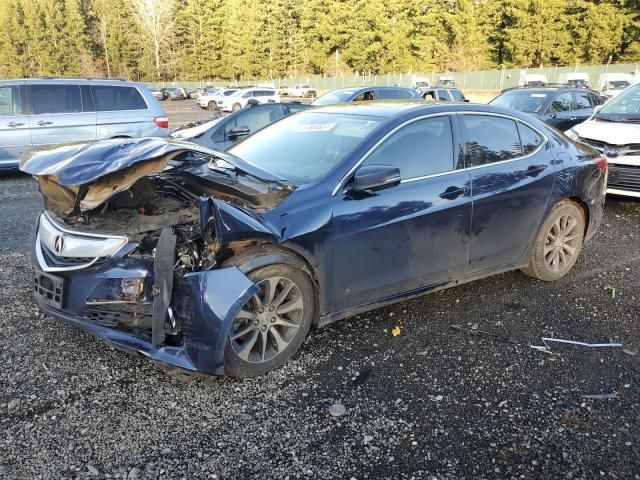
x,y
489,80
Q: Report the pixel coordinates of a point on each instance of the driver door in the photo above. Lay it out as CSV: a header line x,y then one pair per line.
x,y
410,236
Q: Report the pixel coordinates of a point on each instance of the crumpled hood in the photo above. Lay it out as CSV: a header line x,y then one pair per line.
x,y
613,133
96,171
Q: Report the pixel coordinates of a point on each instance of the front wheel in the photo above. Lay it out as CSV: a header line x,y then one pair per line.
x,y
236,107
558,243
272,325
211,106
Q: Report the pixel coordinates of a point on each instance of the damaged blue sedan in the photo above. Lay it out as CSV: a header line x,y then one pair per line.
x,y
220,263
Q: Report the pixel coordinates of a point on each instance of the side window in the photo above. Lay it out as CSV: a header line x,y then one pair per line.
x,y
443,95
457,95
365,96
424,147
490,139
256,117
529,138
110,98
87,99
583,100
393,94
10,101
296,107
562,103
55,99
595,99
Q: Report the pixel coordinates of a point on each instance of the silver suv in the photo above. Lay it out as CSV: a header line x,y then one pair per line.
x,y
50,111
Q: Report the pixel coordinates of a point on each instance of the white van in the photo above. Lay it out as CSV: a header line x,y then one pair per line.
x,y
611,84
575,79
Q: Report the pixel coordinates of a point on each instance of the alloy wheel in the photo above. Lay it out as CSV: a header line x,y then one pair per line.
x,y
562,243
268,323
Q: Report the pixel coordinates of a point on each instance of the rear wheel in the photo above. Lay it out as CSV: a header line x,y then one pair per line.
x,y
558,243
272,325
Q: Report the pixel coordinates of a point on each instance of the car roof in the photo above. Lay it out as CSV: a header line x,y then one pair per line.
x,y
76,80
396,108
548,88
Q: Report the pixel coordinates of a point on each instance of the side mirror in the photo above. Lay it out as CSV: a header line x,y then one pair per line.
x,y
238,132
375,177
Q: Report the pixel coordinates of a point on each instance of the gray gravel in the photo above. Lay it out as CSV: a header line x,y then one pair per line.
x,y
432,402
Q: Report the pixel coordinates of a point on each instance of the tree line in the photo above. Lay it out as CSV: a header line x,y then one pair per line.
x,y
245,39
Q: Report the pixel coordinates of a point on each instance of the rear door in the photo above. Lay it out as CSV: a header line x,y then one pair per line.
x,y
511,180
121,111
14,126
57,114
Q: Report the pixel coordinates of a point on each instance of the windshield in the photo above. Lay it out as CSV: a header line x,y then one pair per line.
x,y
530,102
336,96
617,84
623,108
172,89
305,147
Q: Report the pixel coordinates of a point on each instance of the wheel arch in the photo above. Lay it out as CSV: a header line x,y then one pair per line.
x,y
249,256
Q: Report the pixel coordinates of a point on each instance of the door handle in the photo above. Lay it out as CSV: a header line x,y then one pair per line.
x,y
573,118
452,193
44,122
534,170
14,124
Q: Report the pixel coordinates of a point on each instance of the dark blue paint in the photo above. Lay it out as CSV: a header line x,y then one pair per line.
x,y
369,249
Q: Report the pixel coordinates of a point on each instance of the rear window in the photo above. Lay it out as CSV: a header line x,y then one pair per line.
x,y
55,99
110,98
523,101
394,94
457,95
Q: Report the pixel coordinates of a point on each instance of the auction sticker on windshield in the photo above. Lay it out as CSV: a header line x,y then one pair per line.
x,y
316,127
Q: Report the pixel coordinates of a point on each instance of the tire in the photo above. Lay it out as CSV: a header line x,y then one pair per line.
x,y
211,106
558,243
264,336
236,107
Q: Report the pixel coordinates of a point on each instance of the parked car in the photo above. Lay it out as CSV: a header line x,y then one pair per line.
x,y
38,112
241,98
446,81
303,91
175,93
156,93
219,263
283,91
358,94
611,84
213,97
614,131
222,132
420,82
561,107
443,94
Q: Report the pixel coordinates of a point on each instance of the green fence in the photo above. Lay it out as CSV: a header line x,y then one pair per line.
x,y
480,80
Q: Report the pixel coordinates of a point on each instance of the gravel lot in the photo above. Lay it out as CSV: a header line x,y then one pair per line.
x,y
432,402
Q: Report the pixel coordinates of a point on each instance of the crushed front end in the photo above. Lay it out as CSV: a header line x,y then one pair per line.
x,y
134,256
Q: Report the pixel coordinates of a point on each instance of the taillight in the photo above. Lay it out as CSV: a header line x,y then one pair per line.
x,y
162,122
601,162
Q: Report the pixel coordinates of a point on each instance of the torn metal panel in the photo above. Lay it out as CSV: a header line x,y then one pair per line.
x,y
229,223
217,297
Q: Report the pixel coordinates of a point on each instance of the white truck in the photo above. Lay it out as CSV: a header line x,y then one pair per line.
x,y
575,79
303,90
611,84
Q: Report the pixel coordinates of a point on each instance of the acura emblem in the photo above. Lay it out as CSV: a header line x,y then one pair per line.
x,y
58,244
611,151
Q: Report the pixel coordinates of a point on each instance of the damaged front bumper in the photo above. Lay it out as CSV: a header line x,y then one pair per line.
x,y
113,297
